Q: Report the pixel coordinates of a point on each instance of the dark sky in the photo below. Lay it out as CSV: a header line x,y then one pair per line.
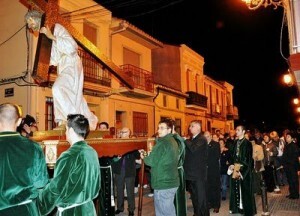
x,y
238,45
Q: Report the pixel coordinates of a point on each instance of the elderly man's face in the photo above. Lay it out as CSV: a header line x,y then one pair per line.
x,y
124,133
194,128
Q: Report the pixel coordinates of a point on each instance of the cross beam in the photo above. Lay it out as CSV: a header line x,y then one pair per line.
x,y
52,16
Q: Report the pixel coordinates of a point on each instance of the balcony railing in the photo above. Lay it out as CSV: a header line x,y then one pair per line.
x,y
195,98
232,113
141,78
93,70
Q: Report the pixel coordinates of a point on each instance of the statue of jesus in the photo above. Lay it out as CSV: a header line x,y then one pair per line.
x,y
67,90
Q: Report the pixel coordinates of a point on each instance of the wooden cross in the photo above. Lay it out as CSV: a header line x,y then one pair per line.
x,y
42,59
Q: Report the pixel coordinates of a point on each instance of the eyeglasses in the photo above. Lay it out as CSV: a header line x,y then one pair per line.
x,y
162,128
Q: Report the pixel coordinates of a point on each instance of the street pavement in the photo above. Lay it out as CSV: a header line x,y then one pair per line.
x,y
279,205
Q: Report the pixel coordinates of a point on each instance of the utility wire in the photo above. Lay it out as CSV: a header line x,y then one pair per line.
x,y
12,35
281,32
154,10
23,77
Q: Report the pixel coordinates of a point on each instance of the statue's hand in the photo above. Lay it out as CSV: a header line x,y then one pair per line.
x,y
46,30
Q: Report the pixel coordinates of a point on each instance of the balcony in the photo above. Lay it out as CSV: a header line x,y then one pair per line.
x,y
142,81
232,113
196,99
94,72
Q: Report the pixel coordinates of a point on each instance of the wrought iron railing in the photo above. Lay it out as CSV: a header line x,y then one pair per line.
x,y
195,98
142,79
93,70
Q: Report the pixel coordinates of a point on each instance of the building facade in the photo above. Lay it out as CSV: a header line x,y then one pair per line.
x,y
166,80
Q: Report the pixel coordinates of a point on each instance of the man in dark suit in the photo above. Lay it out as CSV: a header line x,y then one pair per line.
x,y
213,173
195,166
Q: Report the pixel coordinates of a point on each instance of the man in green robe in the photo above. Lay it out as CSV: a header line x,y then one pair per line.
x,y
180,197
241,190
76,180
23,167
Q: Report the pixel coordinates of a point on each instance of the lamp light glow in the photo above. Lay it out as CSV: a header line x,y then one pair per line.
x,y
287,79
254,4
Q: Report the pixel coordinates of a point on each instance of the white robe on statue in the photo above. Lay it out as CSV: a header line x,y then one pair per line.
x,y
68,87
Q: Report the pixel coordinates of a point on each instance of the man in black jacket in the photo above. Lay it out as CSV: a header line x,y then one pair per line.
x,y
195,166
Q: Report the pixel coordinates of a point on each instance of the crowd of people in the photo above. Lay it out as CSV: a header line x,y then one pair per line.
x,y
206,165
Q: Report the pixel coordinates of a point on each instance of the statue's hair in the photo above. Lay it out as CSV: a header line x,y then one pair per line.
x,y
33,14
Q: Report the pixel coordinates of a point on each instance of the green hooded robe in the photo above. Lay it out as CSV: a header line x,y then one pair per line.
x,y
76,181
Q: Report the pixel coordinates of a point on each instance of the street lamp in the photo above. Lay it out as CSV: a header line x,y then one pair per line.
x,y
254,4
288,79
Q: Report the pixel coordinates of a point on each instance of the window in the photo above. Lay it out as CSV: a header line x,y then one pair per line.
x,y
90,32
49,114
177,103
120,119
208,125
165,100
140,124
188,76
196,83
178,126
131,57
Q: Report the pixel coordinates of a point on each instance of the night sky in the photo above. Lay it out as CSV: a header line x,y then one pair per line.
x,y
238,45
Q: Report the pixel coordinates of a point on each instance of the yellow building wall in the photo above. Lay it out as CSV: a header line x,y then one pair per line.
x,y
193,62
13,53
119,42
170,110
128,106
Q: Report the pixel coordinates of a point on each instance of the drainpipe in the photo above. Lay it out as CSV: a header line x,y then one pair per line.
x,y
154,107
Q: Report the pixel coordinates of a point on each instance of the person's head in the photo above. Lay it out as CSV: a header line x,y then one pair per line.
x,y
208,136
195,127
125,132
77,128
33,19
274,136
257,134
103,126
9,117
165,127
266,137
26,128
215,137
240,131
222,143
289,137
